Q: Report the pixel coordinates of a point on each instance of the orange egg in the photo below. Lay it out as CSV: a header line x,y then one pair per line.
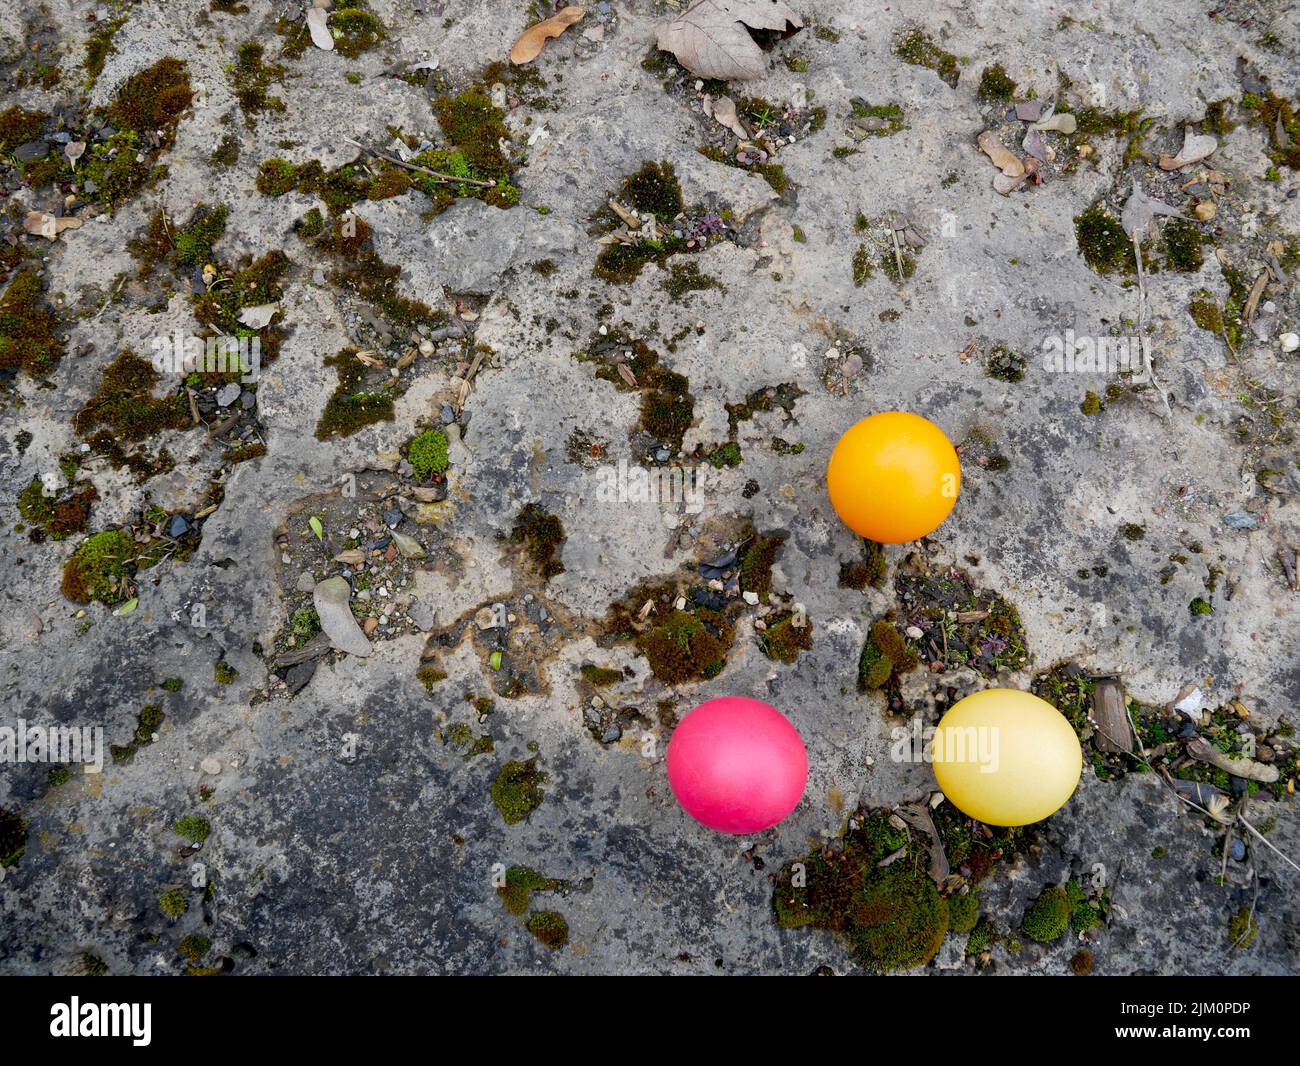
x,y
893,477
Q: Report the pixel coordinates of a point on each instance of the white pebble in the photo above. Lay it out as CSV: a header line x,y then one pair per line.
x,y
1290,341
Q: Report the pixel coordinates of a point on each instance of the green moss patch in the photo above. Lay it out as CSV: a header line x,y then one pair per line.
x,y
100,568
542,536
427,453
521,883
1048,917
967,625
916,48
193,828
1103,243
13,837
517,790
996,83
355,403
686,647
475,128
786,635
57,515
28,338
355,30
250,79
550,928
125,402
885,656
892,916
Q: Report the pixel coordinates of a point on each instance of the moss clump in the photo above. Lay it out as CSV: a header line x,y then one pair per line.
x,y
869,570
1081,962
476,128
276,176
93,965
543,536
152,101
99,46
98,569
13,837
996,84
173,684
757,562
250,78
1280,120
783,639
226,153
1091,403
58,515
1103,243
429,676
1206,313
193,828
194,946
521,882
193,242
981,937
223,673
600,676
667,406
964,910
687,277
1085,914
148,723
684,647
355,30
725,455
654,190
27,328
1242,929
125,402
1048,917
427,453
517,790
863,267
884,657
1200,606
550,928
1183,245
354,404
174,902
19,127
916,48
1006,365
892,916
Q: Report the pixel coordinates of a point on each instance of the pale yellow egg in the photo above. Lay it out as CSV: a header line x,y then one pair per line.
x,y
1006,757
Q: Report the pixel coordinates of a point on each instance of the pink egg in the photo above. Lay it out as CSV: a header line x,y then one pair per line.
x,y
737,765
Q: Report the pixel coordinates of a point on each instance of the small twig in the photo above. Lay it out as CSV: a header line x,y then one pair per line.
x,y
449,179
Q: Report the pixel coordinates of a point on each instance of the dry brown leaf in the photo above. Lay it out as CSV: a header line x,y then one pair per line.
x,y
530,43
1196,146
625,372
1003,158
318,26
724,113
39,224
711,39
258,316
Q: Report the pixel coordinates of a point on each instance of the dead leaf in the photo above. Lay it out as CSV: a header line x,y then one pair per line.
x,y
1004,159
1139,212
1196,146
39,224
1035,145
625,372
530,43
318,26
73,151
258,317
351,557
1062,123
711,39
724,113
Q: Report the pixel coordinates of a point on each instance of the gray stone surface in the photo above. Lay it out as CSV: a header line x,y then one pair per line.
x,y
347,835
